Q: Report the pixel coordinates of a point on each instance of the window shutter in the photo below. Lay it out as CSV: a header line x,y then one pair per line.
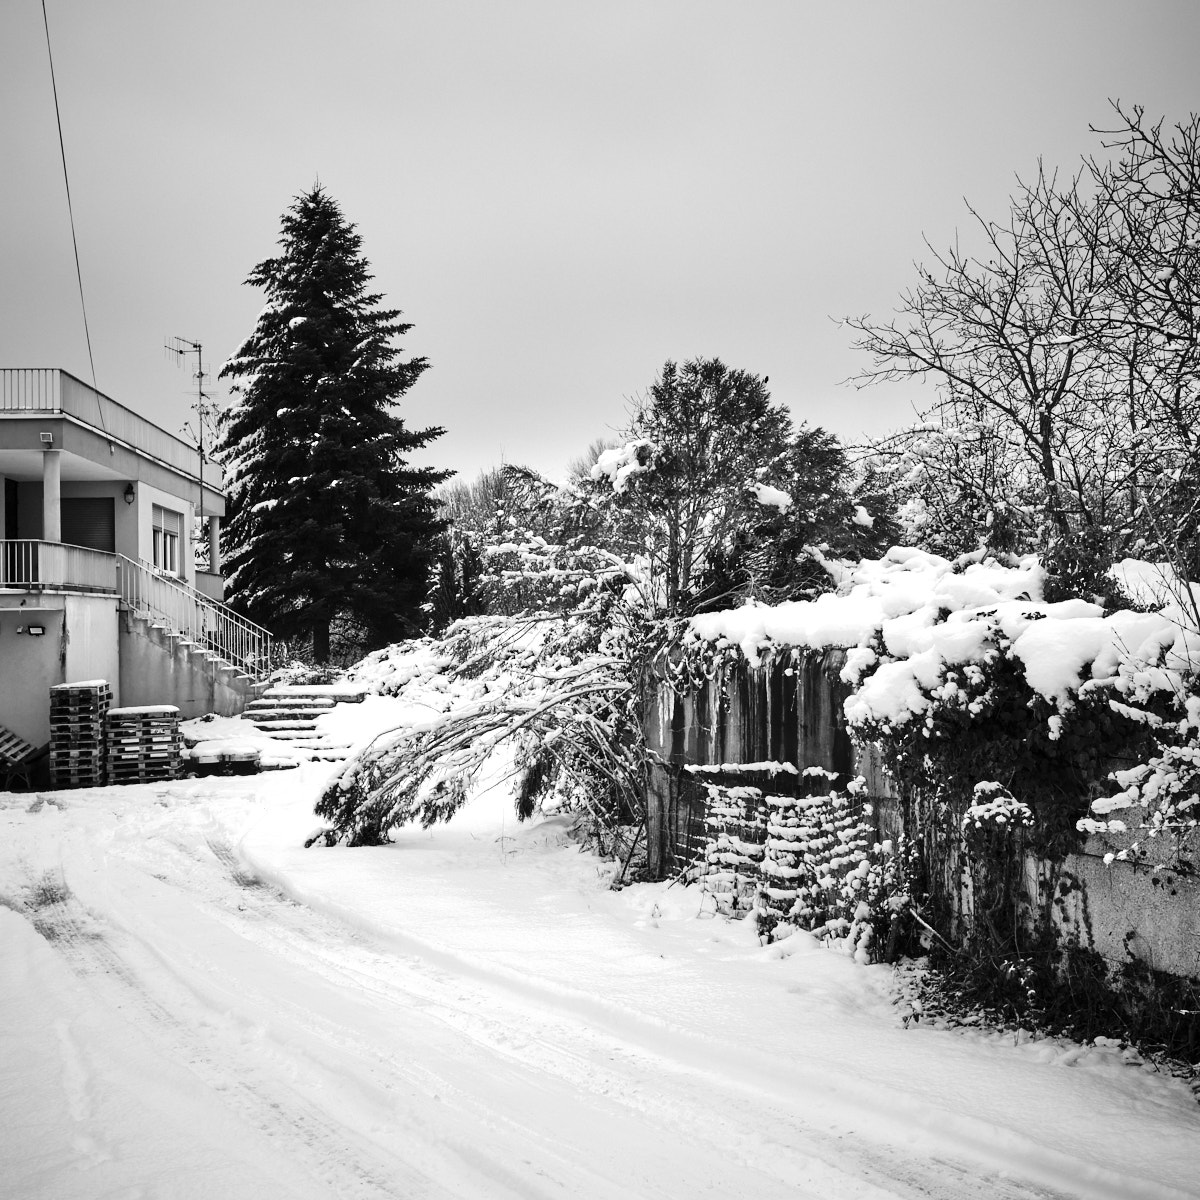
x,y
89,521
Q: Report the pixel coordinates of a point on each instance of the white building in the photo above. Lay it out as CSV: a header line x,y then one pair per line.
x,y
97,575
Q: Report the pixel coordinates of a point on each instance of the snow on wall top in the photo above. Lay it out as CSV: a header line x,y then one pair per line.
x,y
926,613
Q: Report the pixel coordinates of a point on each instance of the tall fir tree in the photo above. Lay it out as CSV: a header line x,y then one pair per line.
x,y
328,523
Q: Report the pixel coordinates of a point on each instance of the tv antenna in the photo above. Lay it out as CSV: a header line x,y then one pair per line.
x,y
204,407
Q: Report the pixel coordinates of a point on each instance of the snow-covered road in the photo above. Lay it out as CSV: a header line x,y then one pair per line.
x,y
195,1006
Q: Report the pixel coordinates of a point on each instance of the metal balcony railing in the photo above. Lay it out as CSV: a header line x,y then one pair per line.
x,y
30,565
33,565
206,622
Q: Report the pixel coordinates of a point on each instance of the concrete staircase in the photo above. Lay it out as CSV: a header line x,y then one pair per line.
x,y
158,665
288,713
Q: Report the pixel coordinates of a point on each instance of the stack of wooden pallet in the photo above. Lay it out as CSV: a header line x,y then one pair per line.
x,y
144,744
77,712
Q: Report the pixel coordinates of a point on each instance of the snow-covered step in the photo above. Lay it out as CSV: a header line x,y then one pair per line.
x,y
277,718
280,718
286,712
289,713
339,693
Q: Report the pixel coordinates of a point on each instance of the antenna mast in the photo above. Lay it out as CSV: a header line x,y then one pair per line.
x,y
179,347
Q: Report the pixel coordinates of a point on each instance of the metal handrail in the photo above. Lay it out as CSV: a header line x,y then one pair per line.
x,y
183,610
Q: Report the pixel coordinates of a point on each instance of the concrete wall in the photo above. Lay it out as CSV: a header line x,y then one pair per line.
x,y
160,668
91,641
87,637
29,666
1125,911
79,643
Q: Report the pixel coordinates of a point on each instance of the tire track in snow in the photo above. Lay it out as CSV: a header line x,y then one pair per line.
x,y
113,963
488,1085
664,1052
573,1046
454,1003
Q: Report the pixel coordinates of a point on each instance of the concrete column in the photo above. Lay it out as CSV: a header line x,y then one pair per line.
x,y
214,545
51,510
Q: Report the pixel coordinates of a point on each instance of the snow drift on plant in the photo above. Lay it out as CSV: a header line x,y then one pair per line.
x,y
925,613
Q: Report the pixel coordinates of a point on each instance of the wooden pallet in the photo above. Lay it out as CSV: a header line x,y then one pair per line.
x,y
145,774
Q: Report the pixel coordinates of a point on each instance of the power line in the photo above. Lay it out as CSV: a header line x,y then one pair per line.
x,y
71,213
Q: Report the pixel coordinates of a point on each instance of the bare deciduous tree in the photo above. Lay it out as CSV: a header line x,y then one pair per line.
x,y
1066,346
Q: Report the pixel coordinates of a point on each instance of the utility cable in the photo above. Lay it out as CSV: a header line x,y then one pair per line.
x,y
71,213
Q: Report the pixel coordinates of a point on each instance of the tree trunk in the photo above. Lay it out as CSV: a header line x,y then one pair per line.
x,y
321,642
1053,492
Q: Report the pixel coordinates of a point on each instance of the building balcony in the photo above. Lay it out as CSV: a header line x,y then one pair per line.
x,y
100,423
77,467
34,566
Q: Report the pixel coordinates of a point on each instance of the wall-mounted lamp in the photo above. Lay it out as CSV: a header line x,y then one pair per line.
x,y
128,493
36,630
47,439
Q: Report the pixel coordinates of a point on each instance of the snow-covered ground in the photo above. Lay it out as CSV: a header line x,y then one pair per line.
x,y
195,1006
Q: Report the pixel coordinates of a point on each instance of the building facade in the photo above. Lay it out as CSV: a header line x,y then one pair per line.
x,y
99,508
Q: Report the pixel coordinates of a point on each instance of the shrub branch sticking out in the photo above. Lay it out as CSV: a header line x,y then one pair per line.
x,y
554,685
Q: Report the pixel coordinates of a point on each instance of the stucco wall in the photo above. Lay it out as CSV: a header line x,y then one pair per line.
x,y
29,667
91,642
159,668
80,643
147,497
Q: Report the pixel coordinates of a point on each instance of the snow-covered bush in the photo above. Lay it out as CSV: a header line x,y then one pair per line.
x,y
735,824
805,861
551,675
812,842
993,807
554,691
878,894
1156,811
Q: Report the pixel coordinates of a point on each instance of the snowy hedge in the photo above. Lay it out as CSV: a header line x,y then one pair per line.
x,y
964,673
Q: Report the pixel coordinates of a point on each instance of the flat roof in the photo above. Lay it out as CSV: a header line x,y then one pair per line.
x,y
49,393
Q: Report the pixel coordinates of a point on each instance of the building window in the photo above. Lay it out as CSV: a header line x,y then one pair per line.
x,y
168,528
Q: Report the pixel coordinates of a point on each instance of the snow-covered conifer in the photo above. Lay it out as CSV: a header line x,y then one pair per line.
x,y
328,521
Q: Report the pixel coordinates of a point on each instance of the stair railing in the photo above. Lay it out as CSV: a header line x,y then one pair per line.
x,y
183,610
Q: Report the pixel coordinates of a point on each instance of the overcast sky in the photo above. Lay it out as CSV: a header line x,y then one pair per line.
x,y
560,196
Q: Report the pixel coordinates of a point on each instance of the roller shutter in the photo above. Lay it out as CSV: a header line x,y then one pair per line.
x,y
90,522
